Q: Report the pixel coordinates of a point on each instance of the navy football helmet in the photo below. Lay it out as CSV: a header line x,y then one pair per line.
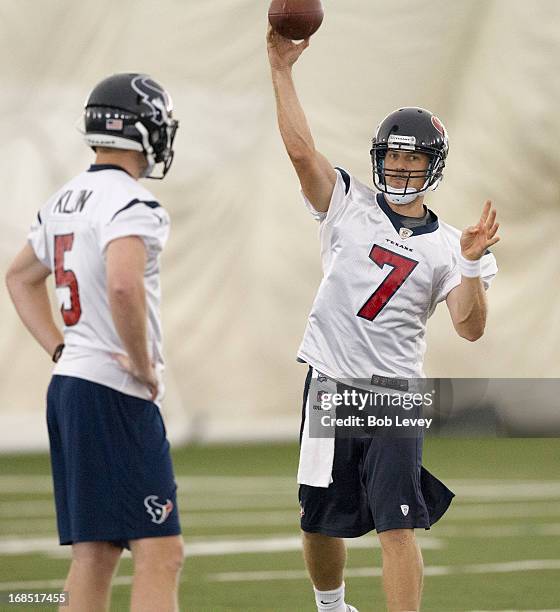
x,y
409,129
132,111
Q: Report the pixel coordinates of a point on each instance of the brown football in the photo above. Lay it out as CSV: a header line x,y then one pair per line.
x,y
295,19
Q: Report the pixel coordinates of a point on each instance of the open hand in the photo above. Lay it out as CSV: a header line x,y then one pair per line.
x,y
476,239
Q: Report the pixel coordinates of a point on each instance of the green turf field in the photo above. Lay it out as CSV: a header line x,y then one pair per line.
x,y
498,548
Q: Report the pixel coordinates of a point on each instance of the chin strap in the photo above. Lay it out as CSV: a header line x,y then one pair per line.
x,y
148,149
403,198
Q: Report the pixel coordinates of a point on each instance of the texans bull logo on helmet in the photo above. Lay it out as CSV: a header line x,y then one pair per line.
x,y
153,96
436,122
158,512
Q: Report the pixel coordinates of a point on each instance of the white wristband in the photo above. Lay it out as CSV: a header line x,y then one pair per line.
x,y
469,268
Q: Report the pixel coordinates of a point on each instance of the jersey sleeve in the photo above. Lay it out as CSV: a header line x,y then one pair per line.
x,y
338,197
37,238
143,218
452,278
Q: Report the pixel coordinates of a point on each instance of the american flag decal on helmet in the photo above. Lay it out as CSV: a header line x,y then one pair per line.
x,y
114,124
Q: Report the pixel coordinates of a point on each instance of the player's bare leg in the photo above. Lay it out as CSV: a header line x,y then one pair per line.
x,y
89,579
402,570
325,558
157,565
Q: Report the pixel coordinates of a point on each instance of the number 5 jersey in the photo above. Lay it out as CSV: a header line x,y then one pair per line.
x,y
381,283
70,237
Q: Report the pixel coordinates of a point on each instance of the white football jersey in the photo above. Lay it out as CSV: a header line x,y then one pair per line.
x,y
70,237
381,282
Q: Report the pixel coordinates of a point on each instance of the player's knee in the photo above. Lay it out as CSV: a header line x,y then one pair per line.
x,y
170,566
396,540
160,556
101,556
174,562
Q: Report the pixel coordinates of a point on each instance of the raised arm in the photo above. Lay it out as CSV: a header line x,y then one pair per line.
x,y
315,173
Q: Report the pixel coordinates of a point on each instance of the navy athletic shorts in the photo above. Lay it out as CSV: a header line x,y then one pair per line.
x,y
378,483
112,471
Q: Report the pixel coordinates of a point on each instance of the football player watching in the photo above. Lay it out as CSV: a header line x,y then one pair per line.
x,y
101,234
387,262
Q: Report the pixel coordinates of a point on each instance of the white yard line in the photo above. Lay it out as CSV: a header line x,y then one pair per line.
x,y
368,572
201,548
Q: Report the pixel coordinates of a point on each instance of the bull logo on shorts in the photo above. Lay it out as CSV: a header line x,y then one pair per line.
x,y
158,512
404,509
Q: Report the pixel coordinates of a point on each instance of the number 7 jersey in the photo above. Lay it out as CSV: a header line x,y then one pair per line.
x,y
70,237
381,282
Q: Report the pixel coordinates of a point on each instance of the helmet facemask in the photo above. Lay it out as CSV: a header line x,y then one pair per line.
x,y
158,147
414,130
159,132
406,194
